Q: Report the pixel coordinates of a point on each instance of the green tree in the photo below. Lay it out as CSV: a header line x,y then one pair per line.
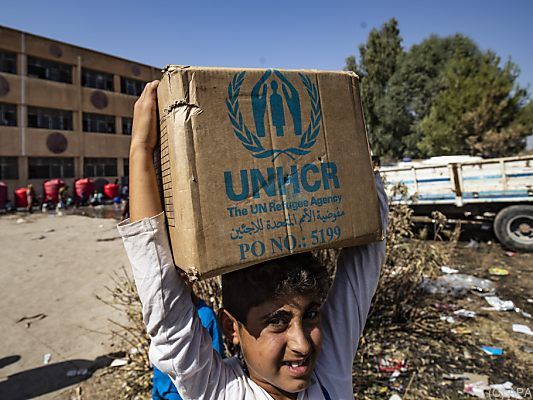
x,y
414,85
443,96
379,58
351,65
476,110
525,117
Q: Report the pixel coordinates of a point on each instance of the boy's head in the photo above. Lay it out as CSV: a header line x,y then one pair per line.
x,y
272,311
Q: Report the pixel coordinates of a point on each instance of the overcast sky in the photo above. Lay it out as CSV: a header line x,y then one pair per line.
x,y
282,34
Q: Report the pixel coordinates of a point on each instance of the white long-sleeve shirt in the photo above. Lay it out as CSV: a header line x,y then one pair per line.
x,y
181,348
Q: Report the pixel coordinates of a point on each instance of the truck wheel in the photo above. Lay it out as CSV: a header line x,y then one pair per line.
x,y
513,227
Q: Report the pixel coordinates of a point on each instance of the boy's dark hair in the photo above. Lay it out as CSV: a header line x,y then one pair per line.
x,y
298,274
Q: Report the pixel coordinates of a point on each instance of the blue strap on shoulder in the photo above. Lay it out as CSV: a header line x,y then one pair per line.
x,y
325,392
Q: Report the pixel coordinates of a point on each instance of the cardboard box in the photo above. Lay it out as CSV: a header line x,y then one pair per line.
x,y
258,164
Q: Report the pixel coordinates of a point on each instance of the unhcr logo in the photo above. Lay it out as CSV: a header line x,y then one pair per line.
x,y
269,94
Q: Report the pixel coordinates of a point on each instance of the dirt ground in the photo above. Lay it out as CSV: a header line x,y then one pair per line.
x,y
58,273
51,269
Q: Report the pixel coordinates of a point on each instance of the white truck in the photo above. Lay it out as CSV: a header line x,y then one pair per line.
x,y
498,190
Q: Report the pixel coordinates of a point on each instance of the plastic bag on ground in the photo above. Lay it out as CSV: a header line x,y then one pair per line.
x,y
498,304
457,285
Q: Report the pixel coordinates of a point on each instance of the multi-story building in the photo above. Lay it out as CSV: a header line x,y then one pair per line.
x,y
65,111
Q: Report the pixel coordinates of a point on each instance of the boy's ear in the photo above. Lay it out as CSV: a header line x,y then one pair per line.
x,y
229,326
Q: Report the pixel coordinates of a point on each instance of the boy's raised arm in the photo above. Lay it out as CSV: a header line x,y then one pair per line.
x,y
180,346
348,303
144,194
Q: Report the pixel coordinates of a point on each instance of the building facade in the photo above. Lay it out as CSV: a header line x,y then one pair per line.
x,y
65,111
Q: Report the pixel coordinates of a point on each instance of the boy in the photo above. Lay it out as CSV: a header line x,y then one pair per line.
x,y
293,344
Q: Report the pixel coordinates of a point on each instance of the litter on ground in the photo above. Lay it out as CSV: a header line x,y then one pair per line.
x,y
461,331
498,271
392,364
457,285
118,362
498,304
465,313
493,351
522,329
47,358
448,270
476,385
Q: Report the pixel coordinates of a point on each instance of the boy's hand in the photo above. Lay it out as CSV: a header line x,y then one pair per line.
x,y
144,193
144,132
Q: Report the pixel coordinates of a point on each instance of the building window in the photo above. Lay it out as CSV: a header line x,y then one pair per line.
x,y
98,123
50,167
8,62
96,79
49,118
51,70
131,86
126,167
9,168
127,124
8,114
98,167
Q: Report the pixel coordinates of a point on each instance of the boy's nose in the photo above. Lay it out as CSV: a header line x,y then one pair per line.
x,y
298,340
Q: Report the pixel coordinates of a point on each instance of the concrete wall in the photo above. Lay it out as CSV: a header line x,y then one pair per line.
x,y
24,91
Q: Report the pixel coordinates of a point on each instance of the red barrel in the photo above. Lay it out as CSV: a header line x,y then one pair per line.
x,y
83,188
21,198
51,189
3,195
111,190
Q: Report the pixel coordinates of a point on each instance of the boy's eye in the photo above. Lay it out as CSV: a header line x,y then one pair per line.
x,y
279,319
277,322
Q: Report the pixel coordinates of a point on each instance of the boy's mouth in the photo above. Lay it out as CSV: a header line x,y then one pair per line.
x,y
297,368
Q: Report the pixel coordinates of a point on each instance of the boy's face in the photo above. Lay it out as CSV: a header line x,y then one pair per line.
x,y
281,343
